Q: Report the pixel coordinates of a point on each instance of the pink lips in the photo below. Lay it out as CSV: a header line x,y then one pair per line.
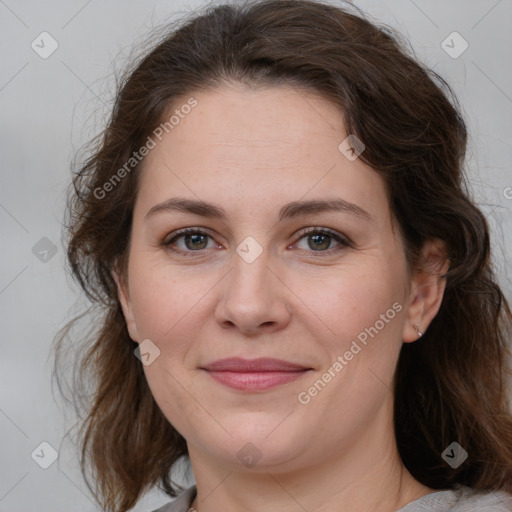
x,y
254,374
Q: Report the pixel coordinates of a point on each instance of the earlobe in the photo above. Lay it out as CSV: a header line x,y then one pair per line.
x,y
123,295
427,290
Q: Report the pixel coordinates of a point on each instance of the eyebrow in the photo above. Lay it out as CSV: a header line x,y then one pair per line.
x,y
288,211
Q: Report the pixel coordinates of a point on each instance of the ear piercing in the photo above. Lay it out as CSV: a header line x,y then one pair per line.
x,y
420,334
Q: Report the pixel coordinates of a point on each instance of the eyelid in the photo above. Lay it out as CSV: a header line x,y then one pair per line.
x,y
184,231
319,229
168,240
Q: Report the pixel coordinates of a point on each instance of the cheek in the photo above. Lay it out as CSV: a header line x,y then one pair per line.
x,y
364,312
166,310
160,301
354,298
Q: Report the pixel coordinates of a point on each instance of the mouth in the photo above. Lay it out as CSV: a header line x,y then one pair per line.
x,y
254,374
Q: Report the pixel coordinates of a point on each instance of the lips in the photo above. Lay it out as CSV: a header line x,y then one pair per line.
x,y
237,364
254,375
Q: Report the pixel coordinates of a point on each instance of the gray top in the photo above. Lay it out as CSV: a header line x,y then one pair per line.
x,y
459,499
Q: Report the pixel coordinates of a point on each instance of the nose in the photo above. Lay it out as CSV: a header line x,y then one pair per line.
x,y
254,299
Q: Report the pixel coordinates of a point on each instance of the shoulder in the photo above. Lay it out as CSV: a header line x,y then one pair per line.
x,y
477,501
181,503
461,499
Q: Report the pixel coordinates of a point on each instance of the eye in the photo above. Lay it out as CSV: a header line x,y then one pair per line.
x,y
320,240
194,240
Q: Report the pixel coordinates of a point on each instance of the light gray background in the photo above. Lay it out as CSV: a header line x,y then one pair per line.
x,y
50,107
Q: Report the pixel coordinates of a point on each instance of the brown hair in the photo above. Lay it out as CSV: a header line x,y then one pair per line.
x,y
451,385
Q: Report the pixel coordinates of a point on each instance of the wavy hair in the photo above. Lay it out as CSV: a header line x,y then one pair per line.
x,y
449,387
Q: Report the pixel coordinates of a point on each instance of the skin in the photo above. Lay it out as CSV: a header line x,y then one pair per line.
x,y
251,151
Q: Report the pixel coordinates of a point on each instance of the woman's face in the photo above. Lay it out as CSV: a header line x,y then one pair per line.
x,y
270,275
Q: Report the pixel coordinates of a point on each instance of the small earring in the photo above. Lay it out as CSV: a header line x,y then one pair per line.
x,y
420,334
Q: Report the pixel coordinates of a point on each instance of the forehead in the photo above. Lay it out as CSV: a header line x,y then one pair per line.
x,y
257,146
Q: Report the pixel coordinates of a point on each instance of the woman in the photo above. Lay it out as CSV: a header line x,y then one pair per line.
x,y
297,290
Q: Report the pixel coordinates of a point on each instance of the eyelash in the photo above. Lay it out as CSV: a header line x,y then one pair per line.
x,y
343,241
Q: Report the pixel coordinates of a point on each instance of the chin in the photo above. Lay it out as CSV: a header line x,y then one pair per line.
x,y
261,448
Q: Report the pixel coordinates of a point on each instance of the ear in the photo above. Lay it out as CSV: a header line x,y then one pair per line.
x,y
427,289
123,295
